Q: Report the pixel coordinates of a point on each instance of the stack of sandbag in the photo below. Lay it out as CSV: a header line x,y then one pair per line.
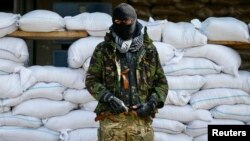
x,y
13,57
13,53
49,106
209,77
231,29
23,103
8,23
41,21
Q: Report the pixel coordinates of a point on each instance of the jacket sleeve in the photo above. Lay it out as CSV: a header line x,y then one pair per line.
x,y
94,77
160,84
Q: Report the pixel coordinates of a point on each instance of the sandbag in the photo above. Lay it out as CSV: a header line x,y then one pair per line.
x,y
237,112
187,83
76,119
154,28
82,49
14,49
71,78
78,96
11,86
89,106
223,80
219,54
8,23
41,21
180,98
166,52
96,23
182,35
209,98
8,66
225,29
88,134
52,91
12,133
192,66
43,108
7,119
172,112
168,126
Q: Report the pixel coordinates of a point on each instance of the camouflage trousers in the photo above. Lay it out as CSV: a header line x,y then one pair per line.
x,y
125,127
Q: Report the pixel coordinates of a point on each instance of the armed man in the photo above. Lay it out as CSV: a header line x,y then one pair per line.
x,y
126,78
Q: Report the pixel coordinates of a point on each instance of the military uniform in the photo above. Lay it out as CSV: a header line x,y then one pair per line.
x,y
104,75
131,76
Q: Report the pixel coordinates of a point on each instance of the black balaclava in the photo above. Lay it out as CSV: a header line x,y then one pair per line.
x,y
120,12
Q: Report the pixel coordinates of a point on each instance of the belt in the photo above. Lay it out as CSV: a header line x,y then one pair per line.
x,y
110,115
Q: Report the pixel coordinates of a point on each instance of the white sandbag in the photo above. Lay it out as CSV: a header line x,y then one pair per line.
x,y
192,66
85,134
27,79
86,64
71,78
78,96
187,83
168,126
182,35
73,120
41,20
12,133
82,49
8,66
96,23
14,49
47,90
201,138
228,81
89,106
225,29
75,22
237,112
160,136
187,113
209,98
4,109
219,54
197,128
7,119
8,23
180,98
51,91
166,52
43,108
10,86
154,28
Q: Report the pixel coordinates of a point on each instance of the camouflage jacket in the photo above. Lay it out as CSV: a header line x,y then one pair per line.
x,y
104,73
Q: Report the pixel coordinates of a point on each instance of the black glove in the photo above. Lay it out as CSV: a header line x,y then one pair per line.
x,y
146,109
117,106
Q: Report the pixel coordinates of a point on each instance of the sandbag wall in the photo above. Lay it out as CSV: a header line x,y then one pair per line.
x,y
184,10
51,103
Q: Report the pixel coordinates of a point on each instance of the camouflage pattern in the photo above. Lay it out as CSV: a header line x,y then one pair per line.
x,y
125,127
104,73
